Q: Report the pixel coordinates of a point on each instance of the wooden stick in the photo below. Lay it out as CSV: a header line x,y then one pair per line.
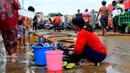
x,y
43,37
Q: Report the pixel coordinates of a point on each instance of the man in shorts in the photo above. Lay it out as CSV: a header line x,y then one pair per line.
x,y
104,10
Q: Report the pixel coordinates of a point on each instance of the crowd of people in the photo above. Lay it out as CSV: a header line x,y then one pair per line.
x,y
107,21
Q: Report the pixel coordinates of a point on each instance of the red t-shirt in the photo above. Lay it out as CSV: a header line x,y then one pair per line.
x,y
57,20
90,39
86,16
127,4
8,14
110,7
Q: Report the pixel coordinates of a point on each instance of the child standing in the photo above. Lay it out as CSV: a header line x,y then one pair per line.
x,y
93,19
21,29
88,45
86,16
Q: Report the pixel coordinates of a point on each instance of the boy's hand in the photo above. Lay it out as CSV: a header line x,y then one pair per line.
x,y
71,52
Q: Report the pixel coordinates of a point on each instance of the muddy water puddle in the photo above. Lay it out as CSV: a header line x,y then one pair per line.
x,y
12,67
117,61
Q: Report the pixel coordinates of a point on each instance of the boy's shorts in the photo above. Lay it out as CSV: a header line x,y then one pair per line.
x,y
104,22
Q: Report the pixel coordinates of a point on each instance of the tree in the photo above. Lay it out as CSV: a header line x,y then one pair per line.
x,y
52,14
96,11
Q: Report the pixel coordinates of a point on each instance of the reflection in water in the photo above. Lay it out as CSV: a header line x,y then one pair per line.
x,y
103,68
58,71
21,66
3,65
40,70
79,70
2,56
104,40
111,70
27,70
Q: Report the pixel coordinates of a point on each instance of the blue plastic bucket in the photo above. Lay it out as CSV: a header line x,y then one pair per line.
x,y
39,54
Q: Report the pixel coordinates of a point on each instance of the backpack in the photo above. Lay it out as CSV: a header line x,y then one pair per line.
x,y
8,14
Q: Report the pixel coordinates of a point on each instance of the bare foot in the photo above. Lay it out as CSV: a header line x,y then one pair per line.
x,y
12,56
88,63
105,34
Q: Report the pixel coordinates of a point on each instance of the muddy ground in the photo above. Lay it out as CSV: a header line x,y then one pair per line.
x,y
117,61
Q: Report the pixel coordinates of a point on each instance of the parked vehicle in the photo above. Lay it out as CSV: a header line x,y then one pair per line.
x,y
48,26
124,22
41,25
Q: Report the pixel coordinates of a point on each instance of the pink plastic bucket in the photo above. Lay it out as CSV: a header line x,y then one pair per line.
x,y
54,59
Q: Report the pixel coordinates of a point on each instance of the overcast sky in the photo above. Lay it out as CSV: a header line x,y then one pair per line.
x,y
63,6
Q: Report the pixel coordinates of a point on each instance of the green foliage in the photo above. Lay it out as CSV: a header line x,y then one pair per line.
x,y
51,14
96,11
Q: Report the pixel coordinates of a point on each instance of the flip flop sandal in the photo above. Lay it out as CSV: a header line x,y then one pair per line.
x,y
70,66
97,64
64,63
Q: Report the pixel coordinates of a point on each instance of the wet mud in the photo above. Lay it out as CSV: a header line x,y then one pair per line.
x,y
117,61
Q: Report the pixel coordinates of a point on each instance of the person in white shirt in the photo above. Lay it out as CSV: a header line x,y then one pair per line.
x,y
115,14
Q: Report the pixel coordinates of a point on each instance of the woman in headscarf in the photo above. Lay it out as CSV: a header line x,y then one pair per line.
x,y
8,24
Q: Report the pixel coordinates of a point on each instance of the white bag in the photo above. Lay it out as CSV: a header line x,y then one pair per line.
x,y
26,13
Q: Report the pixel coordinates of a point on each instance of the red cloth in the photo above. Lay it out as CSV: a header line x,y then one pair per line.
x,y
57,20
8,14
110,23
110,7
90,39
23,18
127,4
117,1
87,17
10,37
9,23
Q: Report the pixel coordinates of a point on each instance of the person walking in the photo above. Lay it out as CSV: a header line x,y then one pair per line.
x,y
28,21
104,10
35,22
115,14
93,18
8,24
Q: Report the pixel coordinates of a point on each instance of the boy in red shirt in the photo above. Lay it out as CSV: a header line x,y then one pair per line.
x,y
86,16
87,45
57,21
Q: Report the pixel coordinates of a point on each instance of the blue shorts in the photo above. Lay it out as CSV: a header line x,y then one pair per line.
x,y
104,22
92,55
88,54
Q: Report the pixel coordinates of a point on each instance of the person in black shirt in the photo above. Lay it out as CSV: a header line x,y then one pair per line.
x,y
78,14
35,22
